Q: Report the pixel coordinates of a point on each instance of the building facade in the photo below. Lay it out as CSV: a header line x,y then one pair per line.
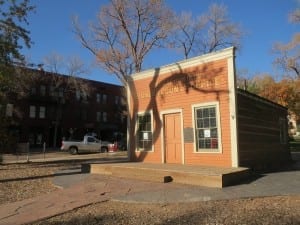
x,y
191,113
58,106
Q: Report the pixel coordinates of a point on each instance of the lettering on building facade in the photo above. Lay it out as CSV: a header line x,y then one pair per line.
x,y
181,84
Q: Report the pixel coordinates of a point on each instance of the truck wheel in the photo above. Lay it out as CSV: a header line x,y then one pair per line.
x,y
73,150
104,149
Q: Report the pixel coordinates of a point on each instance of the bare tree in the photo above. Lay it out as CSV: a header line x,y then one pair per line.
x,y
124,33
294,16
14,35
289,54
219,31
186,31
209,32
65,86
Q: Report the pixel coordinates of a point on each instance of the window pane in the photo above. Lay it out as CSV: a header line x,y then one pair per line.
x,y
98,96
61,92
33,90
104,117
213,122
199,113
201,133
214,143
77,94
43,90
200,123
98,116
212,112
206,128
144,132
32,111
201,143
104,99
9,110
214,133
42,112
207,143
206,123
205,112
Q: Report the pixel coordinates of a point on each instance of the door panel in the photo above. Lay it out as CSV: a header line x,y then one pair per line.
x,y
172,138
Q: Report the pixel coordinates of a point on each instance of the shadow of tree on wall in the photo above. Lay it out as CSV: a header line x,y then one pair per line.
x,y
201,79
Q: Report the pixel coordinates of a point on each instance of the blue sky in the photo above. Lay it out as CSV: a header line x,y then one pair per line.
x,y
265,22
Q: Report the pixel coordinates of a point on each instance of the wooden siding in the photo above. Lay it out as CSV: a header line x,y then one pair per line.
x,y
259,131
180,90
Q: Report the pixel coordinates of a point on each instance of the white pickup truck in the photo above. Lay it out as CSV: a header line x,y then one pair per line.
x,y
89,144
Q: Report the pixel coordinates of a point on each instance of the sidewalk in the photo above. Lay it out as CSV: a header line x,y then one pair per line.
x,y
92,189
58,156
83,189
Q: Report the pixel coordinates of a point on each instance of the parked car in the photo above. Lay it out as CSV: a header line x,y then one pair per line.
x,y
88,144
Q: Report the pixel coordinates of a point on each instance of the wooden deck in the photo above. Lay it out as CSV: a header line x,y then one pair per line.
x,y
184,174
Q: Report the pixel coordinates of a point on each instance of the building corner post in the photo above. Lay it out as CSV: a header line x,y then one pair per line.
x,y
233,110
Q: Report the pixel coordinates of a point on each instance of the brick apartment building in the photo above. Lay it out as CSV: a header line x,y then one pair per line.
x,y
59,106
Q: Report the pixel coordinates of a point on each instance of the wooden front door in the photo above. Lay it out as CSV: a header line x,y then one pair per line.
x,y
172,138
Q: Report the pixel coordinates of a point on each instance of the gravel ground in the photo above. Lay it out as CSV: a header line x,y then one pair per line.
x,y
271,210
21,181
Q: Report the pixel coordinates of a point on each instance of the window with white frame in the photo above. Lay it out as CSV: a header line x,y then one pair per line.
x,y
207,128
42,112
32,111
144,132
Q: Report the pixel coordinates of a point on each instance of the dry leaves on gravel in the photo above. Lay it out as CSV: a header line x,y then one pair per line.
x,y
268,211
22,181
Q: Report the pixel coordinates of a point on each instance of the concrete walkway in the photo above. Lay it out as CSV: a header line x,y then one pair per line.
x,y
83,189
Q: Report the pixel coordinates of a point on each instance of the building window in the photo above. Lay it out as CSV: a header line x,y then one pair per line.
x,y
60,92
77,95
98,97
104,99
144,131
98,116
84,96
117,100
52,91
283,130
43,90
9,110
207,128
42,114
84,115
104,116
33,91
32,111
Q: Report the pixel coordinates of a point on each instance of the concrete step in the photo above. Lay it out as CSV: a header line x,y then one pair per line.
x,y
184,174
